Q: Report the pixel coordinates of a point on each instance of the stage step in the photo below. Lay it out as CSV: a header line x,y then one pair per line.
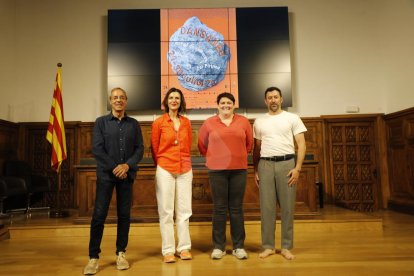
x,y
4,233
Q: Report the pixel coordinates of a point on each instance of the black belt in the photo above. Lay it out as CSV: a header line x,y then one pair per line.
x,y
279,158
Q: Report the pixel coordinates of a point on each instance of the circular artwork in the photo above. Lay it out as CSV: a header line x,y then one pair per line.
x,y
198,55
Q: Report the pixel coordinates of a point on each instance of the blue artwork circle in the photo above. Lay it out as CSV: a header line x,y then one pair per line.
x,y
198,55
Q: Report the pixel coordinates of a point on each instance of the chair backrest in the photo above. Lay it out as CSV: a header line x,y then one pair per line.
x,y
18,168
10,186
3,188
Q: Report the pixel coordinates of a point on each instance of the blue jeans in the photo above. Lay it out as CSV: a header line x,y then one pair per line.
x,y
227,189
104,191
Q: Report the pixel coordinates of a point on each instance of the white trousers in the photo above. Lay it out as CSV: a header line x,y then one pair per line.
x,y
174,190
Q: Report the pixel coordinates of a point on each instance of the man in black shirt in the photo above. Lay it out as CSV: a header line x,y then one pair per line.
x,y
118,148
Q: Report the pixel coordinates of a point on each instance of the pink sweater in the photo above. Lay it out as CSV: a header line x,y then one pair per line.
x,y
225,147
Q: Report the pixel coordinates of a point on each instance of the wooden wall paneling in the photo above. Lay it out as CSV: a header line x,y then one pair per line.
x,y
396,168
38,154
144,205
410,169
86,186
314,150
382,159
314,139
84,141
36,150
144,200
400,136
146,135
195,125
194,143
251,203
306,190
201,198
8,142
410,154
397,153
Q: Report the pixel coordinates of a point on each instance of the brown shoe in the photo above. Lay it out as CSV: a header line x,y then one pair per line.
x,y
185,255
169,258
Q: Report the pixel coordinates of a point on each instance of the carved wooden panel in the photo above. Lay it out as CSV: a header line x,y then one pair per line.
x,y
353,164
38,155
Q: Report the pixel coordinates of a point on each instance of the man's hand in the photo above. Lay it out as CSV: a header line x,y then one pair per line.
x,y
294,176
256,178
121,170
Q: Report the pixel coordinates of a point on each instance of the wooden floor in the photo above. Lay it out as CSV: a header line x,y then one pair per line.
x,y
339,242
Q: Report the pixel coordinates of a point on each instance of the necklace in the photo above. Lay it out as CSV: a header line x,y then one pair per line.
x,y
176,127
176,138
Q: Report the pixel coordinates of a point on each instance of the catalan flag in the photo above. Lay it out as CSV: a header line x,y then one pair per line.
x,y
56,129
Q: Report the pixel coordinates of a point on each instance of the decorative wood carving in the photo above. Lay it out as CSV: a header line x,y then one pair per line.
x,y
38,152
351,153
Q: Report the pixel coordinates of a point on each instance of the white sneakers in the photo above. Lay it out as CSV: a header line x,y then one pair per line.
x,y
92,267
121,261
217,254
239,253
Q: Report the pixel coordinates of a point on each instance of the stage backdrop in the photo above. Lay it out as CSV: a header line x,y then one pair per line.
x,y
203,52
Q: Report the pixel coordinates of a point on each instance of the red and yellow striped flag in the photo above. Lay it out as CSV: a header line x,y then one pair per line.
x,y
56,129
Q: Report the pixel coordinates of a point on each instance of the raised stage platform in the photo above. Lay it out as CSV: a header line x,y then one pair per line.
x,y
338,242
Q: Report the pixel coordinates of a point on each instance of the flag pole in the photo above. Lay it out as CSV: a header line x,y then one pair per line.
x,y
58,212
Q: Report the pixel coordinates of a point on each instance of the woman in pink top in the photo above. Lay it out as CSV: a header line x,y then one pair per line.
x,y
171,146
226,139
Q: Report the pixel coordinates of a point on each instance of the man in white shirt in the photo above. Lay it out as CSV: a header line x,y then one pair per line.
x,y
277,169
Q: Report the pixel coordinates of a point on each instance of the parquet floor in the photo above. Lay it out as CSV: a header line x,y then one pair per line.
x,y
339,242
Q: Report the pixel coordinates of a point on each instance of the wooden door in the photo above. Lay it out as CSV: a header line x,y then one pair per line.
x,y
352,168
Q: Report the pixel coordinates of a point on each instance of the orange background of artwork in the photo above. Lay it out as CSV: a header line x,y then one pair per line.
x,y
220,20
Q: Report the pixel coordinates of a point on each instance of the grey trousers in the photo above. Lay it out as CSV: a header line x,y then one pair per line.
x,y
273,186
